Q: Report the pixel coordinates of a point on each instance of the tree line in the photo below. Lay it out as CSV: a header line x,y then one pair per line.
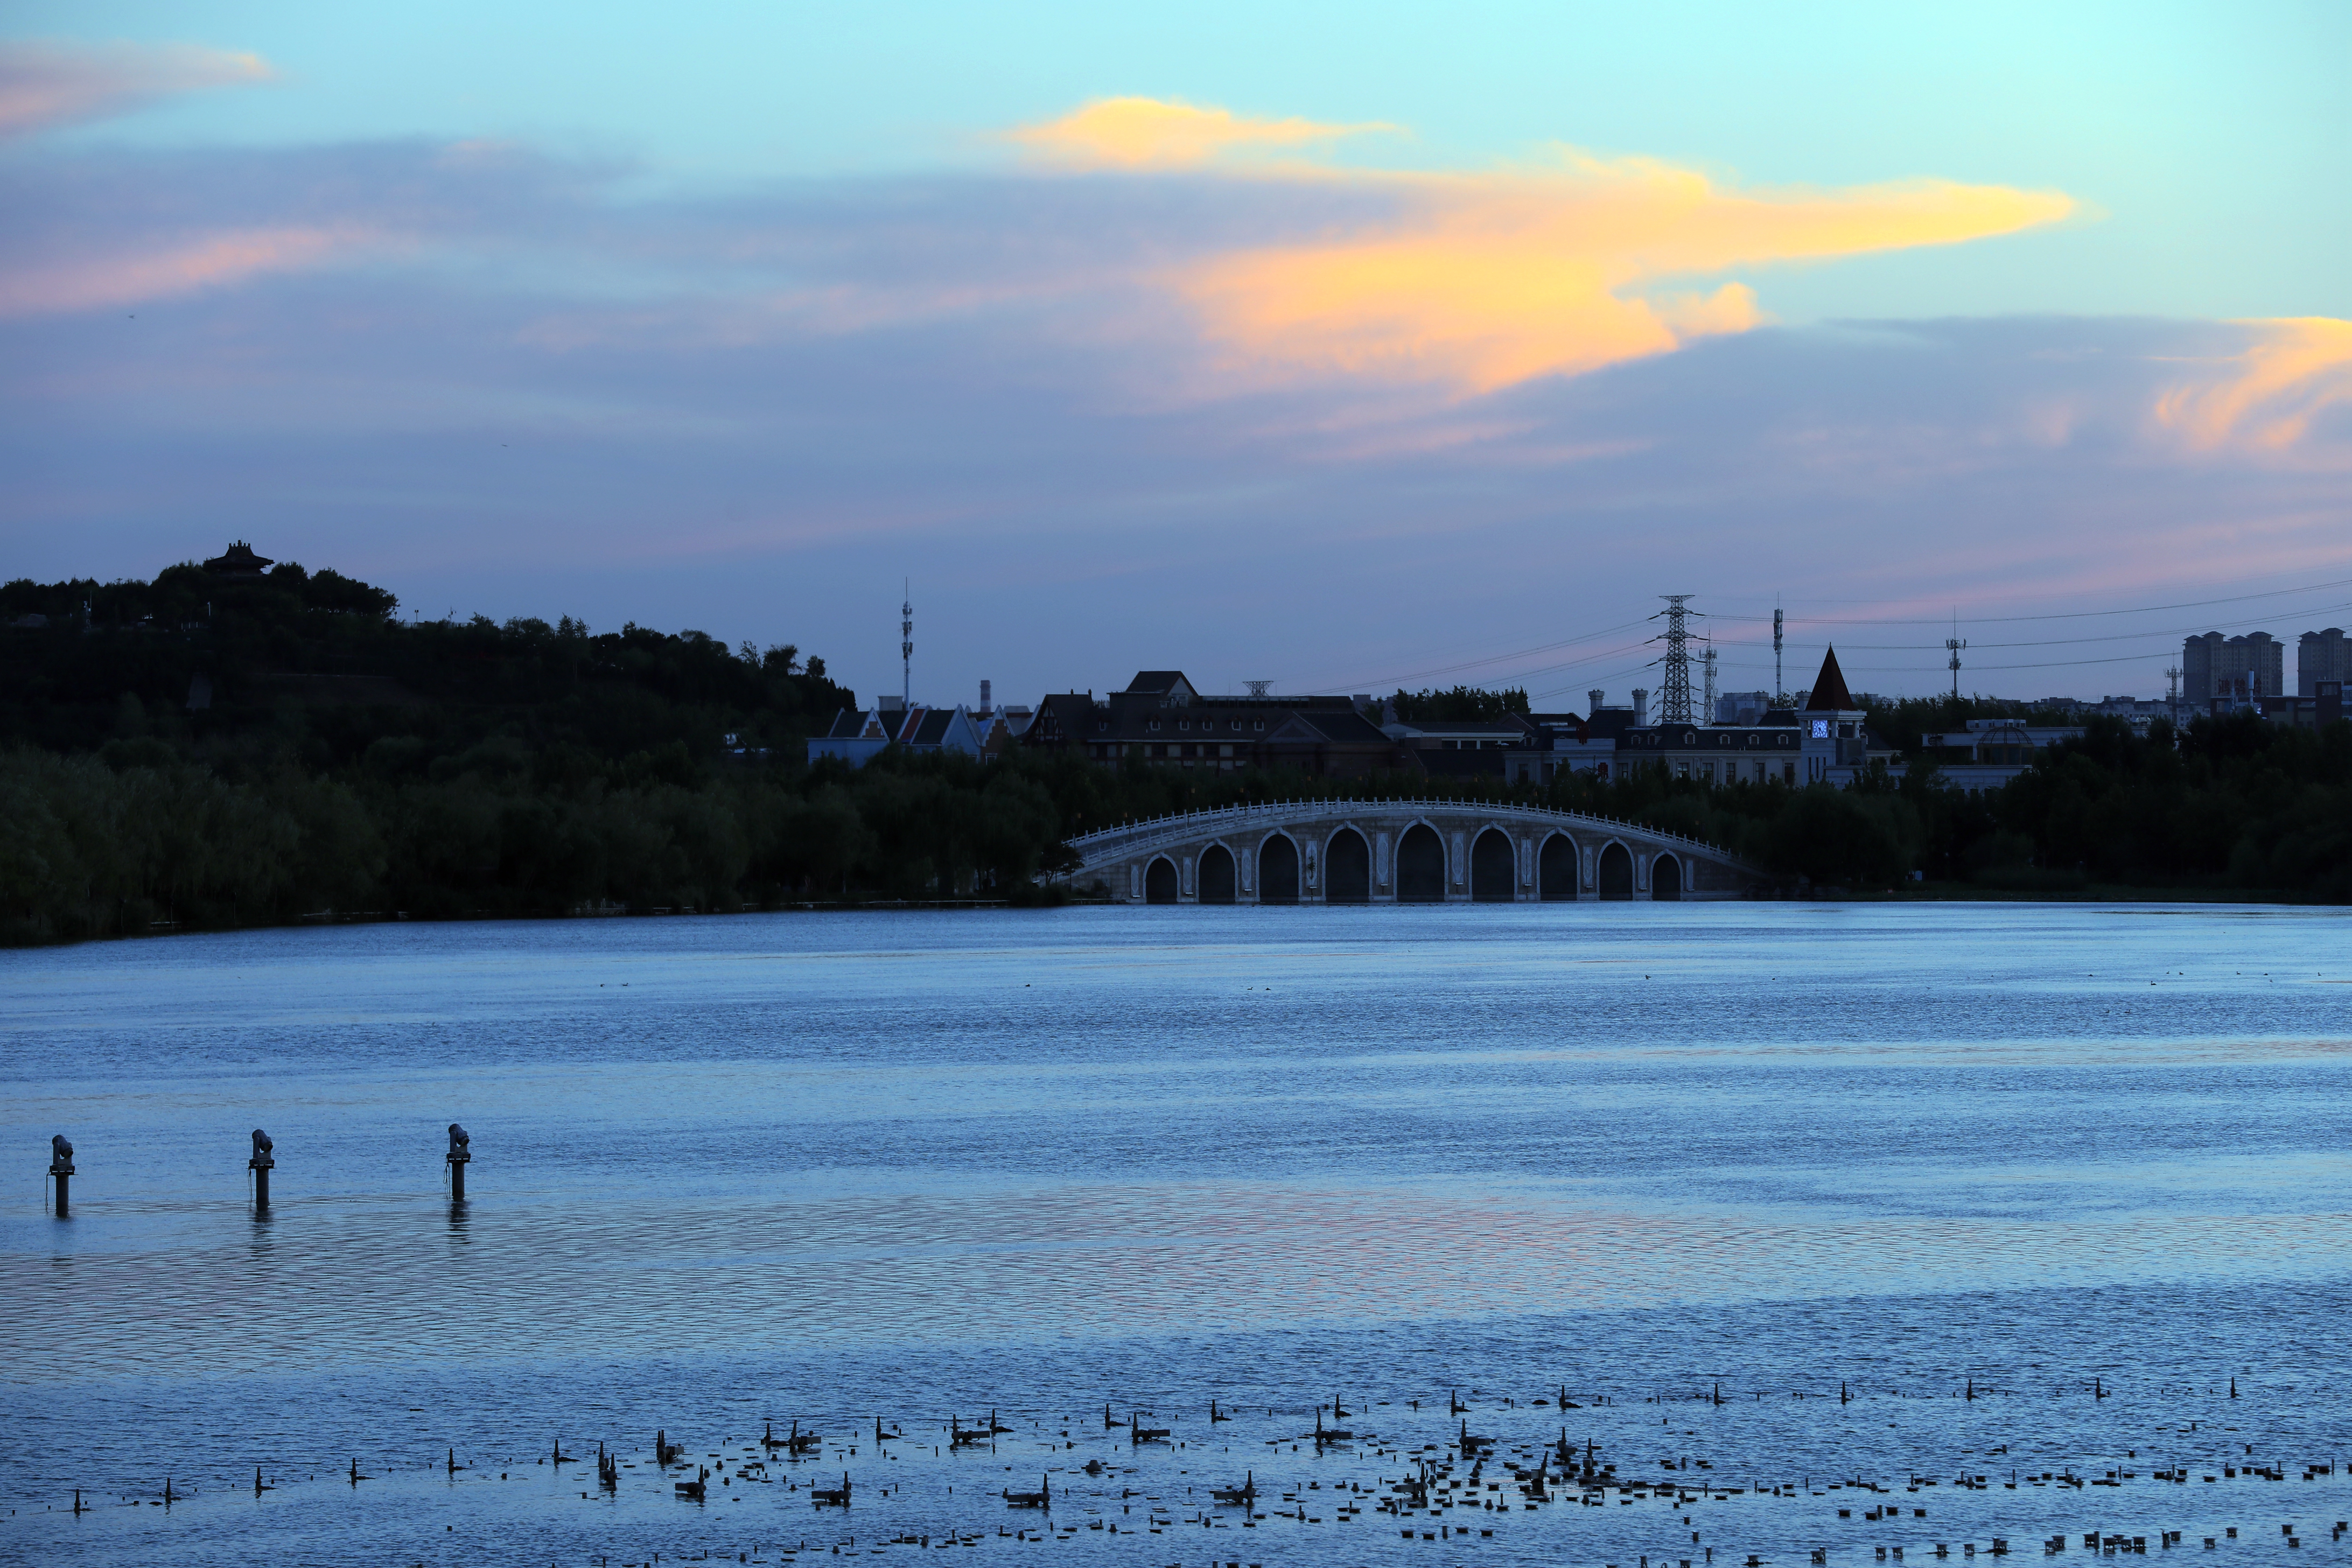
x,y
190,753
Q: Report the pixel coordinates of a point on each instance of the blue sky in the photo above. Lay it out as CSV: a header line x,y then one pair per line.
x,y
733,316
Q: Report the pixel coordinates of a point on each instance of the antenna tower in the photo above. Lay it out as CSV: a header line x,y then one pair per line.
x,y
2172,692
1674,701
1258,687
1709,659
907,647
1952,646
1779,688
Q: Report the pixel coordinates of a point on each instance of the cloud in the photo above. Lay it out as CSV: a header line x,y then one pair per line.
x,y
1154,133
2295,367
44,85
524,385
1480,281
206,262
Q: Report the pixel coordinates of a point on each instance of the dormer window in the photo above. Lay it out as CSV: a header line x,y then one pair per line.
x,y
1155,724
1256,723
1183,723
1237,723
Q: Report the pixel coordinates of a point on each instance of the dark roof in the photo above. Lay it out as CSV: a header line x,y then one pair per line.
x,y
1515,728
1486,763
1553,728
1609,722
1344,725
1158,680
238,559
847,724
1062,719
1829,695
932,728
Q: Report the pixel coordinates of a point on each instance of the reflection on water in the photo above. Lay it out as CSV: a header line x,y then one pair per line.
x,y
1135,1154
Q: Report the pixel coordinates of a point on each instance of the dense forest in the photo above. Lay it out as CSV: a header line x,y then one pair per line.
x,y
198,753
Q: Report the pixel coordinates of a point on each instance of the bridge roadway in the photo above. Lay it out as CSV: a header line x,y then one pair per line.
x,y
1393,851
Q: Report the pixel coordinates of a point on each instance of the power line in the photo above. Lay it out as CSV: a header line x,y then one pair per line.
x,y
1539,671
1494,659
2071,642
2065,615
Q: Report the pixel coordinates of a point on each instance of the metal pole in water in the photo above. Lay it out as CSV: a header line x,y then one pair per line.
x,y
60,1167
459,1154
262,1165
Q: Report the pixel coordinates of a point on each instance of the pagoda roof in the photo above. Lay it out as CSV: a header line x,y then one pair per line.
x,y
238,559
1829,695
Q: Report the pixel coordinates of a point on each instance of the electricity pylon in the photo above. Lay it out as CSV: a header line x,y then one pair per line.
x,y
1674,702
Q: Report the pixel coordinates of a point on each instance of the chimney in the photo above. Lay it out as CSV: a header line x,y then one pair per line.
x,y
1640,706
984,707
1596,697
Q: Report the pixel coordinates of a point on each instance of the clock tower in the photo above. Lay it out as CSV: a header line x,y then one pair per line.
x,y
1831,727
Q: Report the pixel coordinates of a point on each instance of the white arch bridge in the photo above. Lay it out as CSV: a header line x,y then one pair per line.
x,y
1397,851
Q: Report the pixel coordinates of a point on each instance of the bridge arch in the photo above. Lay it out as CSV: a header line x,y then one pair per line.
x,y
1159,881
1278,870
1347,869
1420,865
1494,868
1418,851
1216,874
1615,874
1666,878
1556,870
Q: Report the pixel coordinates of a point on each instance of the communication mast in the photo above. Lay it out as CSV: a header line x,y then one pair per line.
x,y
1779,688
1674,701
1709,659
1258,687
1952,646
2172,692
907,647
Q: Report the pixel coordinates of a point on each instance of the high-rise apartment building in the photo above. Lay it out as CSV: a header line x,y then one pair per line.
x,y
2321,656
2239,667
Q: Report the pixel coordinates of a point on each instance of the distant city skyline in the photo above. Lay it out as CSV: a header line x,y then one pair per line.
x,y
1335,348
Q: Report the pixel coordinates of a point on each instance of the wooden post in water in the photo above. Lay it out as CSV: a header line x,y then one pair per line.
x,y
262,1165
460,1152
61,1169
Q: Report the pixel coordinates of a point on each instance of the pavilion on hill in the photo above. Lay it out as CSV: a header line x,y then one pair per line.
x,y
238,561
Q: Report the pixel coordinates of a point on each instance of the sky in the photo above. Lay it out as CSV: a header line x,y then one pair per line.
x,y
1343,347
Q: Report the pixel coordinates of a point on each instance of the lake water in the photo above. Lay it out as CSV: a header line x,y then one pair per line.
x,y
2089,1163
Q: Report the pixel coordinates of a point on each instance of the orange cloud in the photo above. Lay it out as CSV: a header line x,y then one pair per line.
x,y
1149,132
1484,280
44,85
211,261
2297,366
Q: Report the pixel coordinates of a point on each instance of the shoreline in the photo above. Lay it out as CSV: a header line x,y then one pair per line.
x,y
1931,893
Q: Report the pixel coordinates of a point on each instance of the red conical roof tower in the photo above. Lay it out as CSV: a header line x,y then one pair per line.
x,y
1829,695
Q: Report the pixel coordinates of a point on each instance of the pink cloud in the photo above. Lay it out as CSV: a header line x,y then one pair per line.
x,y
44,85
2270,393
209,261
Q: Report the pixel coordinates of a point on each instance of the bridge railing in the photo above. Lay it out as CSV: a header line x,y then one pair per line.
x,y
1181,824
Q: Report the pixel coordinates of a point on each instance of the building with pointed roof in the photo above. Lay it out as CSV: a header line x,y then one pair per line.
x,y
1833,729
1829,694
858,738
